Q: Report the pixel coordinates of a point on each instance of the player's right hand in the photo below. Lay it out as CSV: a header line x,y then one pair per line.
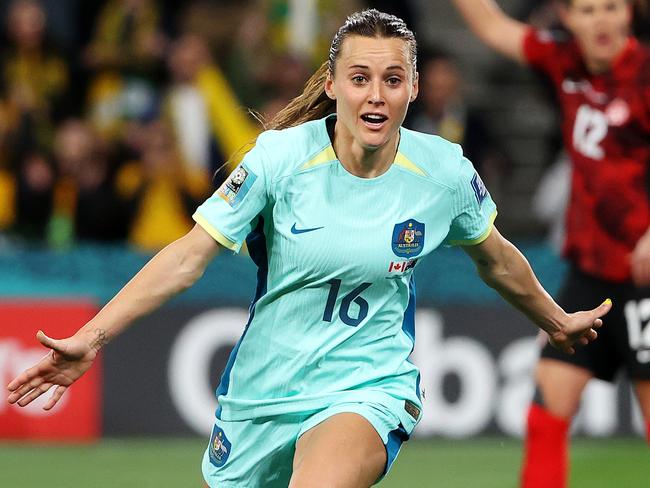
x,y
66,362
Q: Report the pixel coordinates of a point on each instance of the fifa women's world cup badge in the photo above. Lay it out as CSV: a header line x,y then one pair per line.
x,y
235,188
219,447
408,238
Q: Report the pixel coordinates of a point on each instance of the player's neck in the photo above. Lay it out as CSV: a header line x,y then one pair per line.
x,y
598,65
362,161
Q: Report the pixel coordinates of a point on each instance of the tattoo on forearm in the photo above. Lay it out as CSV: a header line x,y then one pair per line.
x,y
100,341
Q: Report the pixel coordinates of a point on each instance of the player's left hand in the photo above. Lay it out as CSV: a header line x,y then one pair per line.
x,y
640,261
580,329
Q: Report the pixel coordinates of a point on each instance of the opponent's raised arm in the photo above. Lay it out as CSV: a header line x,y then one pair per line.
x,y
492,26
172,270
502,266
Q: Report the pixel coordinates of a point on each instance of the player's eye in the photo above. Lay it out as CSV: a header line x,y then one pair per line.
x,y
358,79
394,80
610,6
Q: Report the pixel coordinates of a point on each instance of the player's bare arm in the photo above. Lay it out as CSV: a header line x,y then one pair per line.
x,y
172,270
502,267
492,26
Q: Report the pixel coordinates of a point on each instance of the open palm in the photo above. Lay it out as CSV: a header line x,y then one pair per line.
x,y
67,360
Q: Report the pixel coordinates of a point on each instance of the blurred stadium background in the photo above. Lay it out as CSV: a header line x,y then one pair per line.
x,y
114,116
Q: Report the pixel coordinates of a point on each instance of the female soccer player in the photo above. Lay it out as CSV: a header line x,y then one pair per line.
x,y
602,76
336,208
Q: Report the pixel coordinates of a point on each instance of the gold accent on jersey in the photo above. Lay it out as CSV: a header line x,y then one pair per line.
x,y
218,236
325,156
404,162
479,239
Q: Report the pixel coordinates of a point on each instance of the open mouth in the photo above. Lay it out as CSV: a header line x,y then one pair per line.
x,y
374,120
602,39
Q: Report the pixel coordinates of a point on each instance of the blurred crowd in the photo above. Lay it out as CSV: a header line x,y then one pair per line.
x,y
118,117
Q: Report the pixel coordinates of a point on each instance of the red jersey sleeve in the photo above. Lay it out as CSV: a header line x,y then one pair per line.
x,y
543,51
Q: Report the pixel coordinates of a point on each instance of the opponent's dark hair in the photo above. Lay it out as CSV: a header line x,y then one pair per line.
x,y
313,103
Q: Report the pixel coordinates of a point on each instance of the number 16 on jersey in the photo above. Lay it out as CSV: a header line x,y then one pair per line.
x,y
346,302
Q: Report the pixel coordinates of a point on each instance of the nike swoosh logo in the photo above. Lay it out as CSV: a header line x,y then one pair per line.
x,y
302,231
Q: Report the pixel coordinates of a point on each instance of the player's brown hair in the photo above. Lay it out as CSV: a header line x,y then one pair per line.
x,y
313,103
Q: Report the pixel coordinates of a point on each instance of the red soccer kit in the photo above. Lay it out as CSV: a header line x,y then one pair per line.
x,y
606,129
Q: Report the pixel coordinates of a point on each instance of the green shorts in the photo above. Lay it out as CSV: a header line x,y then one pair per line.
x,y
259,452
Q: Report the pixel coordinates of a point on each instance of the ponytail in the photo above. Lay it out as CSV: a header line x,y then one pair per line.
x,y
312,104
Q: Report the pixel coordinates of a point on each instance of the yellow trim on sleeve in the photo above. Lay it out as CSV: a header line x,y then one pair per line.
x,y
325,156
481,238
404,162
218,236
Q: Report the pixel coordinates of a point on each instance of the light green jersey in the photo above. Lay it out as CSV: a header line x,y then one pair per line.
x,y
333,314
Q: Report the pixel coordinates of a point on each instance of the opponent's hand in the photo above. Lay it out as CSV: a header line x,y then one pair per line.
x,y
67,360
580,329
640,261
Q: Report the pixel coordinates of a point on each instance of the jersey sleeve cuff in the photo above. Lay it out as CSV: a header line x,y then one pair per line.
x,y
214,232
479,239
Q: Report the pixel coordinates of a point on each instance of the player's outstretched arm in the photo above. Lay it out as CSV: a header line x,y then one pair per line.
x,y
504,268
175,268
492,26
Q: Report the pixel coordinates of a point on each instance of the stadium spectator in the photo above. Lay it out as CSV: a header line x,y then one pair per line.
x,y
33,83
601,78
160,189
281,31
87,205
337,204
292,72
207,119
26,197
442,109
126,58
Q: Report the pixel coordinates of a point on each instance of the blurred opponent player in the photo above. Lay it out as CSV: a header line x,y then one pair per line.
x,y
602,77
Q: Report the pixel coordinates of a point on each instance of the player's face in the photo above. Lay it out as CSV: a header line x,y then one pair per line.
x,y
373,86
601,28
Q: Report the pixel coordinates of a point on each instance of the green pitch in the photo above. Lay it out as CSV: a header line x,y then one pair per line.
x,y
477,463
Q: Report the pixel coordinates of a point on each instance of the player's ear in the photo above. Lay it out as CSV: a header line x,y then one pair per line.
x,y
329,86
416,87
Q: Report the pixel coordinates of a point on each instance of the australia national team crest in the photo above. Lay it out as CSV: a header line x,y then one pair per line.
x,y
234,189
408,238
219,447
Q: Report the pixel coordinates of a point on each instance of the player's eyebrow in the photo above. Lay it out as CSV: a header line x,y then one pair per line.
x,y
389,68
